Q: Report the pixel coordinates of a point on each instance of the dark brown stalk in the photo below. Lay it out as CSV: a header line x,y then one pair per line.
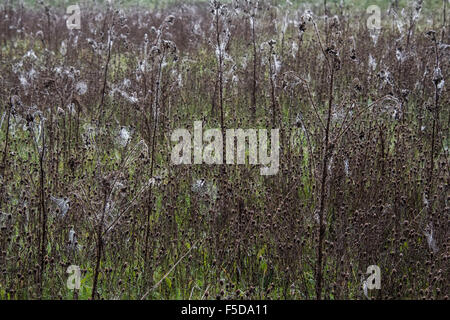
x,y
155,124
253,107
222,183
105,75
219,71
5,149
327,152
43,215
272,89
99,244
435,129
444,22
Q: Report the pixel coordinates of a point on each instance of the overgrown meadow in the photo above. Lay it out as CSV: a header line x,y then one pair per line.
x,y
86,177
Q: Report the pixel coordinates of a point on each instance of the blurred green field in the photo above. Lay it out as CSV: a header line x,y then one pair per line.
x,y
276,252
384,4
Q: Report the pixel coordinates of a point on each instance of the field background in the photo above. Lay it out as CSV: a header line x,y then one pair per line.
x,y
85,171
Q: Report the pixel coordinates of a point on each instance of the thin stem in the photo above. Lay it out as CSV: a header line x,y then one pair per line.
x,y
327,152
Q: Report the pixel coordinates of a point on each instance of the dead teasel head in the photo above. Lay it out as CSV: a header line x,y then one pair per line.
x,y
215,4
170,46
155,51
437,75
431,34
170,19
302,25
438,79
